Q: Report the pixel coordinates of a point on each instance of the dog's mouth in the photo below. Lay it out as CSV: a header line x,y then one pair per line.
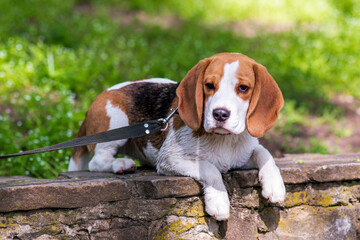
x,y
220,131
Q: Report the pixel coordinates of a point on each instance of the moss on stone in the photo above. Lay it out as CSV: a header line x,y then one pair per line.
x,y
174,226
328,197
192,207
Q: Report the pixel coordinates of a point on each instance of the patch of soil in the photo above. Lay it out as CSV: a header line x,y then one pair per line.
x,y
130,17
351,123
248,28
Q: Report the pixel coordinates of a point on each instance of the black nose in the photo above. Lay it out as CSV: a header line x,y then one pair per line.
x,y
221,114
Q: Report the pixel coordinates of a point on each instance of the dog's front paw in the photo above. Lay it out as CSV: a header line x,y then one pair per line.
x,y
272,184
217,203
123,165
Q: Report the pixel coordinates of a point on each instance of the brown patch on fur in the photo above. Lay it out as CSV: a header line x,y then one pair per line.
x,y
191,95
97,119
78,151
177,123
265,104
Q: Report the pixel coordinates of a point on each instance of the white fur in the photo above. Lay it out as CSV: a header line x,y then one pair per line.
x,y
272,184
225,97
72,166
217,203
83,161
151,154
117,117
119,85
151,80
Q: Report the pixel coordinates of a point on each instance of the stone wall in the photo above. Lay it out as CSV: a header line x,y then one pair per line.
x,y
322,202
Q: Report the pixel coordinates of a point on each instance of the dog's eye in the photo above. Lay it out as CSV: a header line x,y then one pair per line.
x,y
210,86
243,89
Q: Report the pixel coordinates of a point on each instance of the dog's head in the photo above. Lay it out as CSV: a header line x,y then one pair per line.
x,y
227,93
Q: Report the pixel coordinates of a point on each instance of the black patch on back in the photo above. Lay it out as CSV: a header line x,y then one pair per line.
x,y
151,100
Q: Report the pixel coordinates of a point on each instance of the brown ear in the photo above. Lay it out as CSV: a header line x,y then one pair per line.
x,y
265,103
191,95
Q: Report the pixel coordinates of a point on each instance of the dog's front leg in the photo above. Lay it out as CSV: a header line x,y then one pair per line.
x,y
216,198
272,184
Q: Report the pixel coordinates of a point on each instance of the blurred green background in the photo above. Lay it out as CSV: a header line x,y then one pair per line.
x,y
57,56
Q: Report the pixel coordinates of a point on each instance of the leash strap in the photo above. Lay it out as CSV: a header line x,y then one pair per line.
x,y
133,131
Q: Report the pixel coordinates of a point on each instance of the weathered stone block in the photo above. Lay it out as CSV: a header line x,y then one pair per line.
x,y
330,194
62,194
167,186
144,209
129,233
319,223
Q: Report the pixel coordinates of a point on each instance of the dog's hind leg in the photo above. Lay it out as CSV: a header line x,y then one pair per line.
x,y
104,153
79,159
104,160
80,156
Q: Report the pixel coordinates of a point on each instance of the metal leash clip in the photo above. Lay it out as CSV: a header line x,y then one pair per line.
x,y
165,121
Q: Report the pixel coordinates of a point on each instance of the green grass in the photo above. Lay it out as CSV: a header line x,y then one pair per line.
x,y
55,59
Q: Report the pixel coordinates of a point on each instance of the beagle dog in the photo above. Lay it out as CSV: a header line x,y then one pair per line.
x,y
225,103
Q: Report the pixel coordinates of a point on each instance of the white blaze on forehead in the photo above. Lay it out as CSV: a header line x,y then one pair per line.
x,y
229,77
226,92
226,97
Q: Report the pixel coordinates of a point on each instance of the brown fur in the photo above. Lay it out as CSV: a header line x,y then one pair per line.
x,y
78,151
190,93
266,103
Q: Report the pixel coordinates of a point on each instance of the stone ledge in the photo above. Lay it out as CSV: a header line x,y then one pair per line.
x,y
322,202
80,189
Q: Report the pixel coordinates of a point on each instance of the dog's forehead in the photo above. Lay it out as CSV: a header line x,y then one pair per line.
x,y
218,62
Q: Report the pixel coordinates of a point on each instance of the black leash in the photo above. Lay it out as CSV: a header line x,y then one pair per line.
x,y
133,131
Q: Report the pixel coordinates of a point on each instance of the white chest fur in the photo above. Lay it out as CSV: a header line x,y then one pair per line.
x,y
229,151
224,152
